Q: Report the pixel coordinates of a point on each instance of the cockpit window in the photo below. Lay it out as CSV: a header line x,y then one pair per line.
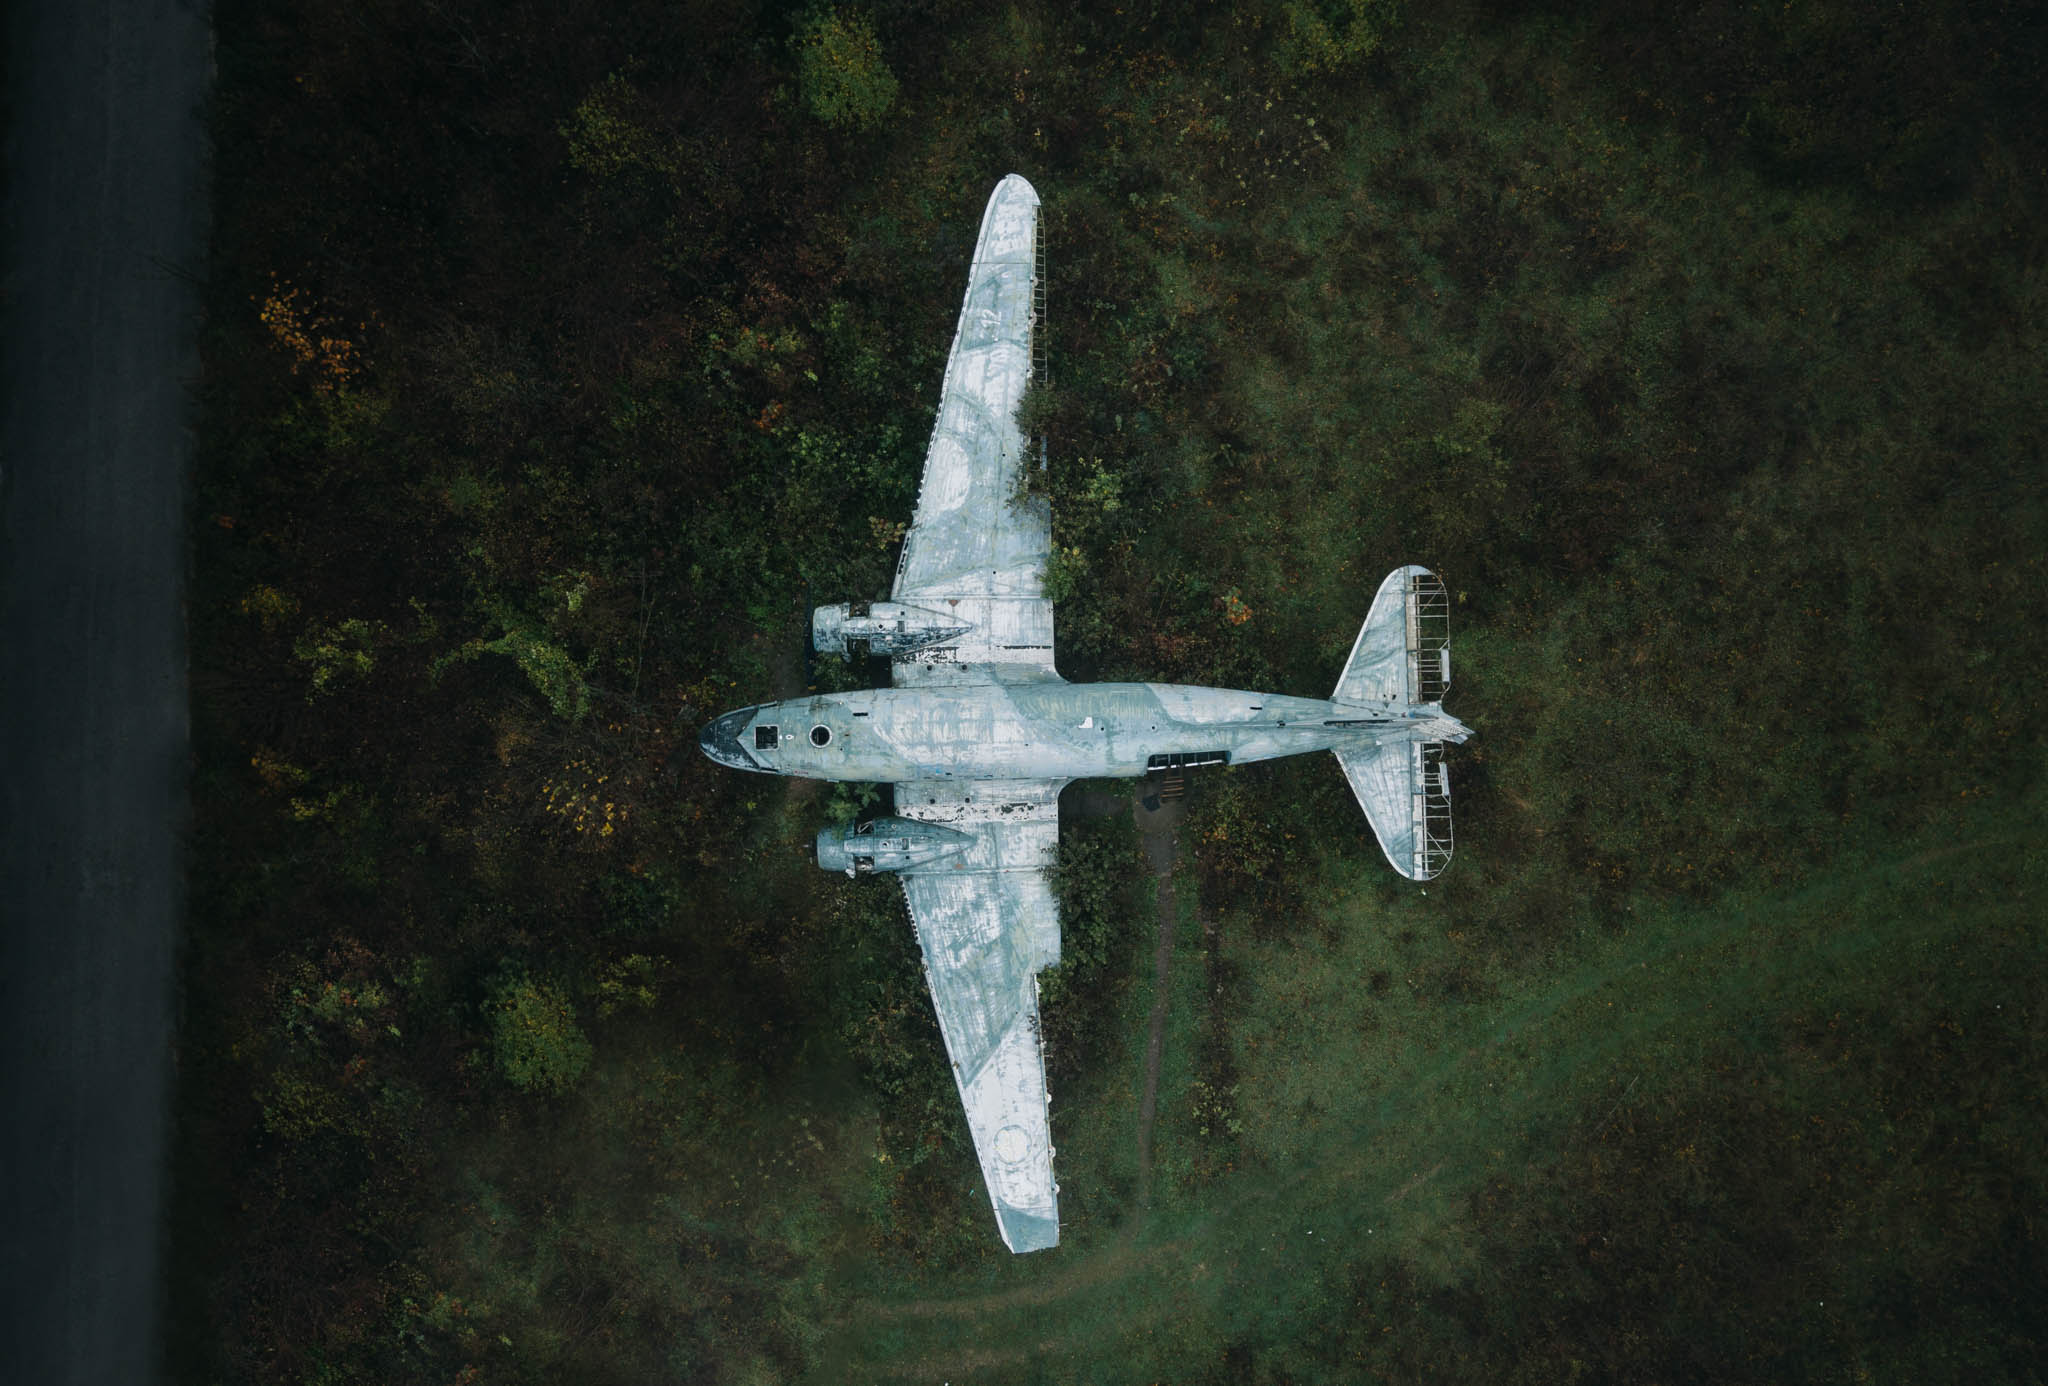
x,y
821,736
764,738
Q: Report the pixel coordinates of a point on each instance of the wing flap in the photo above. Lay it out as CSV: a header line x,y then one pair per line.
x,y
1011,642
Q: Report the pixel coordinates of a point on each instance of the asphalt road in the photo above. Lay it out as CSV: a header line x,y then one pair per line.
x,y
98,339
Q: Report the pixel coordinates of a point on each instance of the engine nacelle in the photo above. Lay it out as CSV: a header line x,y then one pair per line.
x,y
887,844
888,627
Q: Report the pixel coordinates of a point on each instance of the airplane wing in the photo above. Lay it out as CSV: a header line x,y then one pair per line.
x,y
977,547
987,922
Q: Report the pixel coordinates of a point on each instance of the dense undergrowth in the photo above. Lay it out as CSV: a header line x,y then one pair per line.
x,y
561,356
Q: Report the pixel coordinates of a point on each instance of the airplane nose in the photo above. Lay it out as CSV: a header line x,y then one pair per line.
x,y
720,740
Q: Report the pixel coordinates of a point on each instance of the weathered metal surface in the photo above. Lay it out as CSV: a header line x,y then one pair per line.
x,y
1401,661
887,844
1376,672
885,627
987,923
980,732
977,546
720,740
1011,642
1029,731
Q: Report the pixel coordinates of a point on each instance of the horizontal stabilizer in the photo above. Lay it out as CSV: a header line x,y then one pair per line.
x,y
1406,794
1403,651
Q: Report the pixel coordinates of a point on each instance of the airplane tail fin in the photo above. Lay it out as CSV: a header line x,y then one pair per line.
x,y
1401,662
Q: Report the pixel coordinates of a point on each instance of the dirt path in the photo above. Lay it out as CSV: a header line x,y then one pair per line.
x,y
1938,853
1354,1169
1116,1262
1156,826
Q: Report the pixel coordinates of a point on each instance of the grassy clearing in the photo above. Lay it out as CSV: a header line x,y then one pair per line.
x,y
1383,1121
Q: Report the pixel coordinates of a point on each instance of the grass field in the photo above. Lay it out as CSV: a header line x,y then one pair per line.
x,y
1888,1012
559,358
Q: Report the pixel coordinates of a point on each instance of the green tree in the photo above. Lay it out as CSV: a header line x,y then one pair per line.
x,y
840,68
535,1037
344,649
1323,36
548,667
611,135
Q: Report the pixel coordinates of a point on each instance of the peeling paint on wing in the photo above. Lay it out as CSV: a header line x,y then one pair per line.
x,y
974,545
987,922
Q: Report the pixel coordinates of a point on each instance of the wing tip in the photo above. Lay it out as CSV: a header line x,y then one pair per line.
x,y
1027,1232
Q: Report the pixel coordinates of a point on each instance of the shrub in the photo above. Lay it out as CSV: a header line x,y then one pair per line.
x,y
611,137
535,1038
840,68
346,648
1324,37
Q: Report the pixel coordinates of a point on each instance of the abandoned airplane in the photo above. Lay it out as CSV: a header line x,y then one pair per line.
x,y
980,732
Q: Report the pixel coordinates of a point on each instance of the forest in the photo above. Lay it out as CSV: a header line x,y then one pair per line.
x,y
559,357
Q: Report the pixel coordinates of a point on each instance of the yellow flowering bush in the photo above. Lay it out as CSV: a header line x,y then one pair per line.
x,y
307,338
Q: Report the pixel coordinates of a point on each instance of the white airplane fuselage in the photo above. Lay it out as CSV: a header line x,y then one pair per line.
x,y
1050,730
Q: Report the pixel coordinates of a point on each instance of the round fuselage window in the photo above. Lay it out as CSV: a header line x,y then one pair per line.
x,y
821,736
